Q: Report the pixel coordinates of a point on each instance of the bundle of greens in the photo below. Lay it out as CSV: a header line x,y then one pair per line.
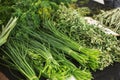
x,y
50,68
70,22
17,59
57,69
78,73
111,19
4,33
85,56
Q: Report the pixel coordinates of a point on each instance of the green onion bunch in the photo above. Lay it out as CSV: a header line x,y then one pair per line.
x,y
17,58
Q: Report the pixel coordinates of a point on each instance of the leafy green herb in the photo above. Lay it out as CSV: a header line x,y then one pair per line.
x,y
71,23
111,19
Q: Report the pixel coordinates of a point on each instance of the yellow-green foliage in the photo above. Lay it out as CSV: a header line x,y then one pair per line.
x,y
46,9
44,12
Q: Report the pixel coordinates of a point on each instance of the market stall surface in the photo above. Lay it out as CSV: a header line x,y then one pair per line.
x,y
110,73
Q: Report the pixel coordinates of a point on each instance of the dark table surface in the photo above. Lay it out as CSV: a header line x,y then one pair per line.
x,y
110,73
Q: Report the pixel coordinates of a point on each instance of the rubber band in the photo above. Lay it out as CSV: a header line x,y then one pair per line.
x,y
79,48
70,51
34,77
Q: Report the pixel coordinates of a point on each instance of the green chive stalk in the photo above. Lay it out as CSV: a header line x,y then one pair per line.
x,y
6,30
18,58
